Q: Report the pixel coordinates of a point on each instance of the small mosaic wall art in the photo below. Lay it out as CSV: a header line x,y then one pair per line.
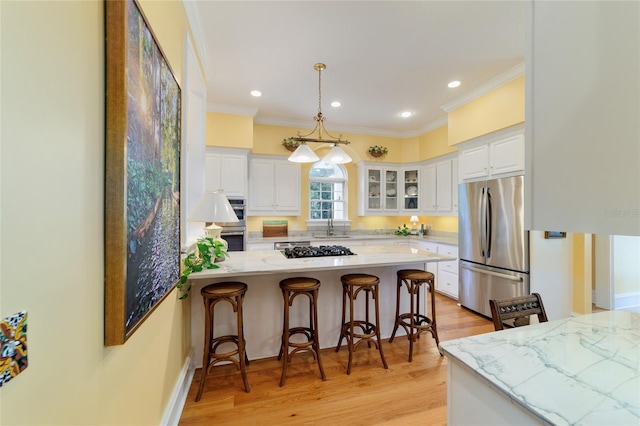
x,y
13,346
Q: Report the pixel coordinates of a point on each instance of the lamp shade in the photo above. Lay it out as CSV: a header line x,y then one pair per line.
x,y
336,156
303,154
213,207
414,219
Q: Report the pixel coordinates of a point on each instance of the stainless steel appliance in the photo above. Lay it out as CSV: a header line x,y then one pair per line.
x,y
235,233
493,244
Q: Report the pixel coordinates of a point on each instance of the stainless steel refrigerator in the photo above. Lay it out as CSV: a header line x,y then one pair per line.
x,y
493,244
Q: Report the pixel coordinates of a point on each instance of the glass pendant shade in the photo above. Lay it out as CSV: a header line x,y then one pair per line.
x,y
303,154
336,156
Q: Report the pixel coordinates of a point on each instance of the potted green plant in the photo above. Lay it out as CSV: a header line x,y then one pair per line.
x,y
402,230
202,255
378,151
290,144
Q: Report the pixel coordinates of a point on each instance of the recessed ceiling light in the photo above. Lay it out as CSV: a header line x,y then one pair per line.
x,y
256,93
453,84
406,114
335,104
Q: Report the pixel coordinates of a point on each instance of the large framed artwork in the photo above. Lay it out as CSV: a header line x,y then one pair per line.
x,y
142,184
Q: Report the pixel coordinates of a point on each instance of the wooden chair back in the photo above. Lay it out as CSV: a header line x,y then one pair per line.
x,y
519,309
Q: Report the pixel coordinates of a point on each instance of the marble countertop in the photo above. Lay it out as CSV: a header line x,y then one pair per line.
x,y
580,370
243,263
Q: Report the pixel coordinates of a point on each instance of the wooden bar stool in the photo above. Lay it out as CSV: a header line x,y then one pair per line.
x,y
292,287
413,321
352,284
232,292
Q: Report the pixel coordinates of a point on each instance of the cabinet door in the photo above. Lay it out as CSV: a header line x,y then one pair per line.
x,y
233,177
507,155
373,184
286,182
212,172
411,190
447,283
443,186
454,185
474,162
261,190
391,177
429,188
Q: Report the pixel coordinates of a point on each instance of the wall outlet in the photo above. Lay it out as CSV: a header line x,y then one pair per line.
x,y
294,226
360,226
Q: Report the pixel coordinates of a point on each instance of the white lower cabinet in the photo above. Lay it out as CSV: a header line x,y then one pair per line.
x,y
446,273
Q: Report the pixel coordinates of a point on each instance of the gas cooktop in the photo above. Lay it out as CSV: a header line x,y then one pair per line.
x,y
297,252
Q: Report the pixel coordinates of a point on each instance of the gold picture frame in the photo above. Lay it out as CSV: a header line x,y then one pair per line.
x,y
142,172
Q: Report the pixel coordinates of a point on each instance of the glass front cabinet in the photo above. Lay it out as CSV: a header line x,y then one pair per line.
x,y
379,190
410,190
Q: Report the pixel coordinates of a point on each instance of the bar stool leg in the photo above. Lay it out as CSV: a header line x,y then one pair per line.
x,y
284,346
351,330
314,325
343,322
397,322
242,352
412,319
377,309
208,328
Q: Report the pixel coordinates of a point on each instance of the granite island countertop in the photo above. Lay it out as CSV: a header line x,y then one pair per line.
x,y
581,370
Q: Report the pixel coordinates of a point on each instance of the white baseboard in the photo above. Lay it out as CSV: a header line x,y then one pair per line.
x,y
179,395
627,300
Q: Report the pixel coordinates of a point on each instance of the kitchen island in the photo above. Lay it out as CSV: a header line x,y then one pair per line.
x,y
262,271
581,370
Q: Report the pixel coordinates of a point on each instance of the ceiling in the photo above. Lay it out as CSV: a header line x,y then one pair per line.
x,y
382,57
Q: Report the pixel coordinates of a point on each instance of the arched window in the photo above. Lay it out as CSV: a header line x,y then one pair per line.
x,y
327,191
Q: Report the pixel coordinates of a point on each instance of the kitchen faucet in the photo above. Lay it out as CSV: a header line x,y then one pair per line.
x,y
330,223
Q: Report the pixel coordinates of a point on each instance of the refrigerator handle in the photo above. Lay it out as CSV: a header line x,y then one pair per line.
x,y
489,223
495,274
483,221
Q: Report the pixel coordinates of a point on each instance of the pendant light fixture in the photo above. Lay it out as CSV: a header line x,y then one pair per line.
x,y
304,154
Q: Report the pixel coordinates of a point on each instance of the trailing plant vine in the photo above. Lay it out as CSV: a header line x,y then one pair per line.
x,y
201,256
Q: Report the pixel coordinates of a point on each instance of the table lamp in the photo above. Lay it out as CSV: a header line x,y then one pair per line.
x,y
414,220
213,207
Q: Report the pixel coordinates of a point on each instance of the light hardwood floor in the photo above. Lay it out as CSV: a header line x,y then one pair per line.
x,y
405,394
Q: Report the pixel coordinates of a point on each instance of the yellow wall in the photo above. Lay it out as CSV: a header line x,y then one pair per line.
x,y
435,143
498,109
235,131
52,85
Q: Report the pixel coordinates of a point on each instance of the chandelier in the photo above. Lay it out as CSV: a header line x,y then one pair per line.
x,y
304,154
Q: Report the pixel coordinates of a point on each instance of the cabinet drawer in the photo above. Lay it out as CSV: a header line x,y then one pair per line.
x,y
450,267
448,283
429,246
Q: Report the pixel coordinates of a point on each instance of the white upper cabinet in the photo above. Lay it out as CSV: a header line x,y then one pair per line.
x,y
274,187
378,190
411,190
498,154
226,170
438,182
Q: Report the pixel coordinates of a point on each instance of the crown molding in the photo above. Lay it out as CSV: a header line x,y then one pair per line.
x,y
485,88
196,31
272,121
231,109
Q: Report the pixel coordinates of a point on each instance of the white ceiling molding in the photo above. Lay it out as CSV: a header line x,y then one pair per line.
x,y
196,30
231,109
485,88
353,129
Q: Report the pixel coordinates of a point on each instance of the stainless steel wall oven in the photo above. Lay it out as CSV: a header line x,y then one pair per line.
x,y
235,233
